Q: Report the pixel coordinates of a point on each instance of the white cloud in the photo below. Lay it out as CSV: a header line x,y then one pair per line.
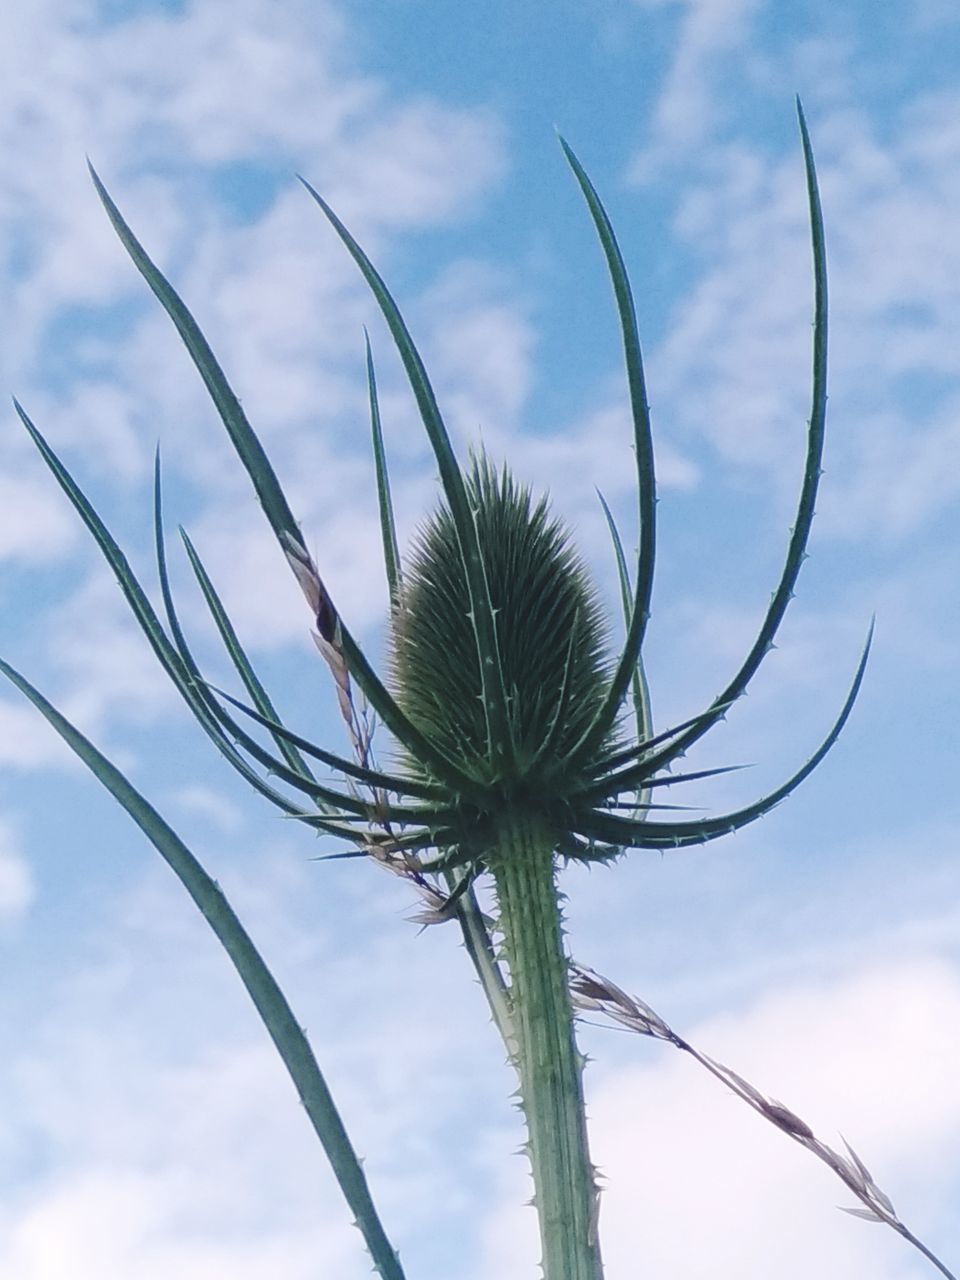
x,y
233,81
35,525
688,107
932,14
210,806
111,665
16,880
403,169
838,1056
26,740
597,450
216,86
101,421
113,1220
480,351
899,475
734,363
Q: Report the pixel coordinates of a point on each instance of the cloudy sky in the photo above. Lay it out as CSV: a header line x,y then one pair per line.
x,y
147,1129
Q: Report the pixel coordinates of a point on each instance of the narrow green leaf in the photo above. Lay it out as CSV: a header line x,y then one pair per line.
x,y
479,947
373,810
634,807
272,499
179,664
577,849
388,525
183,670
800,534
227,633
284,1029
249,448
301,779
671,779
451,478
441,766
372,777
643,748
395,844
657,835
639,773
643,445
148,621
243,666
641,690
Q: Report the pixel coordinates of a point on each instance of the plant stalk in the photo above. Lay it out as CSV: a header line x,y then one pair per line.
x,y
548,1061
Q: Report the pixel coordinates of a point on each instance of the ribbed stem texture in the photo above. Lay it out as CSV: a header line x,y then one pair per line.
x,y
548,1060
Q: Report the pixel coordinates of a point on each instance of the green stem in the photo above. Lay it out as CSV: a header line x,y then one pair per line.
x,y
548,1060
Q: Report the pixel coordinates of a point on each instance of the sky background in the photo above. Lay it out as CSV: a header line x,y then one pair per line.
x,y
147,1129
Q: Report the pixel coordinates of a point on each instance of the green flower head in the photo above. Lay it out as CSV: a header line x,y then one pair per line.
x,y
549,628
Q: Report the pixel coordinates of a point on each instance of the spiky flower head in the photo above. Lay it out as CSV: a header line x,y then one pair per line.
x,y
549,632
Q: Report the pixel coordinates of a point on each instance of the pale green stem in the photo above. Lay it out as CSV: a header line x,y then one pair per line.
x,y
548,1061
476,940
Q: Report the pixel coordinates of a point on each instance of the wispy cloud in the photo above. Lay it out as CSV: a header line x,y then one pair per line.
x,y
689,106
28,742
16,880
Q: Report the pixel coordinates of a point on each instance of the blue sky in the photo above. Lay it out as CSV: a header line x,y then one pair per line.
x,y
147,1129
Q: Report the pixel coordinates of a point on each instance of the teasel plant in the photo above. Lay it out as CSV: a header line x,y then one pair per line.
x,y
518,743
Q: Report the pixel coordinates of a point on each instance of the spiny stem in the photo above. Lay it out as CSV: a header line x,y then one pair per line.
x,y
548,1061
